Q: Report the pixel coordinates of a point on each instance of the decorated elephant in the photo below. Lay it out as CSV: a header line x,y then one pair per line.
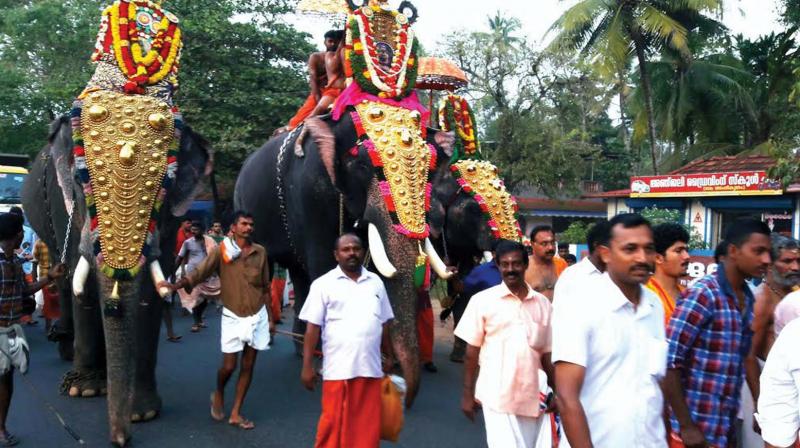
x,y
369,166
103,192
472,199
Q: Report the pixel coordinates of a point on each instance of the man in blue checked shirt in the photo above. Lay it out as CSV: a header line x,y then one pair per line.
x,y
709,337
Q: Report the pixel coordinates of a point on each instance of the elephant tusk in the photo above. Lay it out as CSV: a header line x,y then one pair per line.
x,y
80,276
158,277
487,256
378,253
437,264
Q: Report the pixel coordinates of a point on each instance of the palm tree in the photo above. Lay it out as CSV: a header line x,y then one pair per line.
x,y
616,30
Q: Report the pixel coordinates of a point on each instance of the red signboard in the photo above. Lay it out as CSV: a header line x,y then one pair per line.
x,y
738,183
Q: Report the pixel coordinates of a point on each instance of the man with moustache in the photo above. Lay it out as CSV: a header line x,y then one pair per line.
x,y
246,323
672,261
507,330
543,266
709,337
783,276
349,308
609,348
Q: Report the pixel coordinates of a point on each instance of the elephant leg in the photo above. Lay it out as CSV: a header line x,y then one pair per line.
x,y
146,401
88,375
63,330
121,349
301,285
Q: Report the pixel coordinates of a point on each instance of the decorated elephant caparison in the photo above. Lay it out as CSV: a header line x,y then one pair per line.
x,y
114,175
368,165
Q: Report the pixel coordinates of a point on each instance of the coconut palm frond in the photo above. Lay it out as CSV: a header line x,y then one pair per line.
x,y
664,27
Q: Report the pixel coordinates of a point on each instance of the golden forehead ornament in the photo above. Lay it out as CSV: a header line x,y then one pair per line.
x,y
488,189
126,140
397,139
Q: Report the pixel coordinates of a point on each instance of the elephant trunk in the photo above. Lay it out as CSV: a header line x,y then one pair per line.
x,y
401,254
120,334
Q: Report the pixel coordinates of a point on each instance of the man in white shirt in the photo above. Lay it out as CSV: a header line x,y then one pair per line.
x,y
591,267
349,307
779,402
609,347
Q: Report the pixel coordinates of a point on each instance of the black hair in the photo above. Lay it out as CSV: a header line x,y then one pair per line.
x,y
16,210
742,228
563,245
627,221
10,225
347,235
239,214
507,246
720,251
336,35
598,235
569,258
539,229
199,225
667,234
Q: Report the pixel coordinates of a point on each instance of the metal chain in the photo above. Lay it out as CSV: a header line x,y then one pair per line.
x,y
68,233
279,186
341,214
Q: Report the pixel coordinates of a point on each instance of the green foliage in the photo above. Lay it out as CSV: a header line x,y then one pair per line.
x,y
242,70
658,216
575,233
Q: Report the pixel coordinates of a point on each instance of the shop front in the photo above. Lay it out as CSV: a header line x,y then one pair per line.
x,y
712,194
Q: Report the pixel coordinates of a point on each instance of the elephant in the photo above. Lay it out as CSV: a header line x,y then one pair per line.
x,y
117,354
305,192
463,232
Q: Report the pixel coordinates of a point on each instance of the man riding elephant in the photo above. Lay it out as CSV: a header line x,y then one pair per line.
x,y
132,156
366,167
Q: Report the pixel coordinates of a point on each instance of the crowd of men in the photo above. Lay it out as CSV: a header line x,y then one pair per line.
x,y
612,351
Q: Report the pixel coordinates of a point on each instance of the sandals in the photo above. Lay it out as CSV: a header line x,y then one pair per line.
x,y
244,424
7,439
195,328
216,414
174,338
203,325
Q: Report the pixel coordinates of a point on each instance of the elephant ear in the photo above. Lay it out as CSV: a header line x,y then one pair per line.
x,y
323,136
195,161
61,146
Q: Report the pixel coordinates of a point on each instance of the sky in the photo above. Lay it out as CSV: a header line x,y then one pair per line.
x,y
439,17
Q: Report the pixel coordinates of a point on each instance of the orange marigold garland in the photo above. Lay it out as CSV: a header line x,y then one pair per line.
x,y
455,114
118,33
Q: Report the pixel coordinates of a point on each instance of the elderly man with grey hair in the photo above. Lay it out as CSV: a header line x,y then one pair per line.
x,y
782,278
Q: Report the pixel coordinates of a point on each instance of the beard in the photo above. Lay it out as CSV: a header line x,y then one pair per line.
x,y
787,280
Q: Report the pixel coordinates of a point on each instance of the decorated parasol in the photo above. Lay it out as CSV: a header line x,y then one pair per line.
x,y
440,74
337,8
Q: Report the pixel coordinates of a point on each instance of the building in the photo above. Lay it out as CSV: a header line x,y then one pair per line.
x,y
536,209
712,193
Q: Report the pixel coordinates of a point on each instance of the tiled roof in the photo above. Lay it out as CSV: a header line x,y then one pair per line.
x,y
722,164
609,194
527,203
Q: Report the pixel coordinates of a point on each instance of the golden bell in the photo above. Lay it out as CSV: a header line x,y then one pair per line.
x,y
127,153
98,113
157,121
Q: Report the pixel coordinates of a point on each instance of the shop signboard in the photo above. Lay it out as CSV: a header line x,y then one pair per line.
x,y
737,183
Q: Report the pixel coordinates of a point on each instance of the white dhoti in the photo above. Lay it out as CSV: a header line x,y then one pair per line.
x,y
511,431
238,331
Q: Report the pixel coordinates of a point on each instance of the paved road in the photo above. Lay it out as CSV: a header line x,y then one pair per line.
x,y
285,414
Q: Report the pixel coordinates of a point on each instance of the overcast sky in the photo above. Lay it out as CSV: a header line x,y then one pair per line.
x,y
439,17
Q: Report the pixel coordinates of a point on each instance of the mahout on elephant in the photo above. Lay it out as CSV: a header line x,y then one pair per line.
x,y
104,193
368,167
